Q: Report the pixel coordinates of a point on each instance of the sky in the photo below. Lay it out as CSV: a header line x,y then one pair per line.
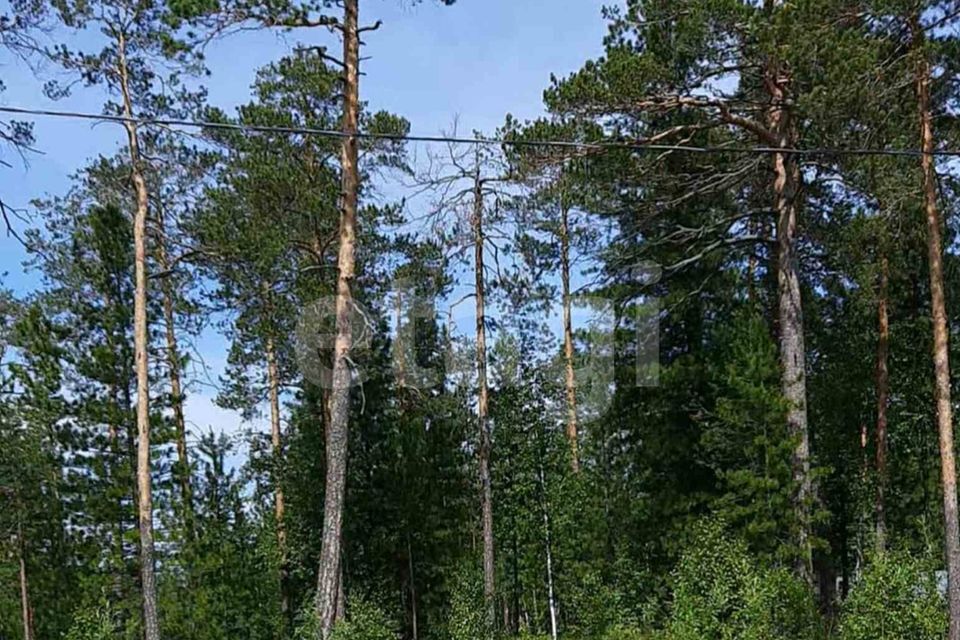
x,y
473,62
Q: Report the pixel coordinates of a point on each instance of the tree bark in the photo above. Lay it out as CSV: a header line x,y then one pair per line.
x,y
883,394
140,342
279,507
570,380
790,311
176,388
941,361
328,580
486,488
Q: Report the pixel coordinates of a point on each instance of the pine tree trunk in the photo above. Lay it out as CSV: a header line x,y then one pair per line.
x,y
883,393
790,313
486,488
25,608
941,362
140,343
571,388
173,367
329,575
279,507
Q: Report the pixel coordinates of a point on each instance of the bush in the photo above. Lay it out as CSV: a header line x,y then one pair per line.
x,y
596,608
896,597
365,621
93,624
468,620
623,632
720,593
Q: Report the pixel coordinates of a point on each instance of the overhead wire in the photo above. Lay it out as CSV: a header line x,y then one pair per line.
x,y
487,141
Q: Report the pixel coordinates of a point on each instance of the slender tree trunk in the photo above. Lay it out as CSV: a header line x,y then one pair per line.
x,y
545,508
400,348
113,436
883,394
140,342
486,488
941,362
329,575
279,507
173,367
571,387
25,608
413,591
790,313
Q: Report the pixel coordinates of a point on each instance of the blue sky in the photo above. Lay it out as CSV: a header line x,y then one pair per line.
x,y
475,61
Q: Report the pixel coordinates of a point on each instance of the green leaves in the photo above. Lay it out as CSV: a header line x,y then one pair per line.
x,y
719,593
897,597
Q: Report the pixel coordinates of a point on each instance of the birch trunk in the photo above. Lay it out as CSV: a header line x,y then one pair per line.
x,y
551,598
329,575
941,362
140,339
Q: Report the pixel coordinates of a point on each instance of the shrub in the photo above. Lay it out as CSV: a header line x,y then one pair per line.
x,y
623,632
596,608
93,624
365,621
468,619
896,597
721,593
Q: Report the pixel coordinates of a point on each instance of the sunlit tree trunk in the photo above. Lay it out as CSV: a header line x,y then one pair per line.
x,y
140,342
941,358
329,580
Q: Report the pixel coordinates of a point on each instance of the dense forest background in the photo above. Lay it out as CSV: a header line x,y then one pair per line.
x,y
671,361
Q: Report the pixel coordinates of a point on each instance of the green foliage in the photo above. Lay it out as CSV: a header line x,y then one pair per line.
x,y
745,439
721,593
93,624
365,620
896,597
624,632
467,619
258,219
597,609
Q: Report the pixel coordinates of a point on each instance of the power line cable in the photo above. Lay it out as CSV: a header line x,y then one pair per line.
x,y
561,144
